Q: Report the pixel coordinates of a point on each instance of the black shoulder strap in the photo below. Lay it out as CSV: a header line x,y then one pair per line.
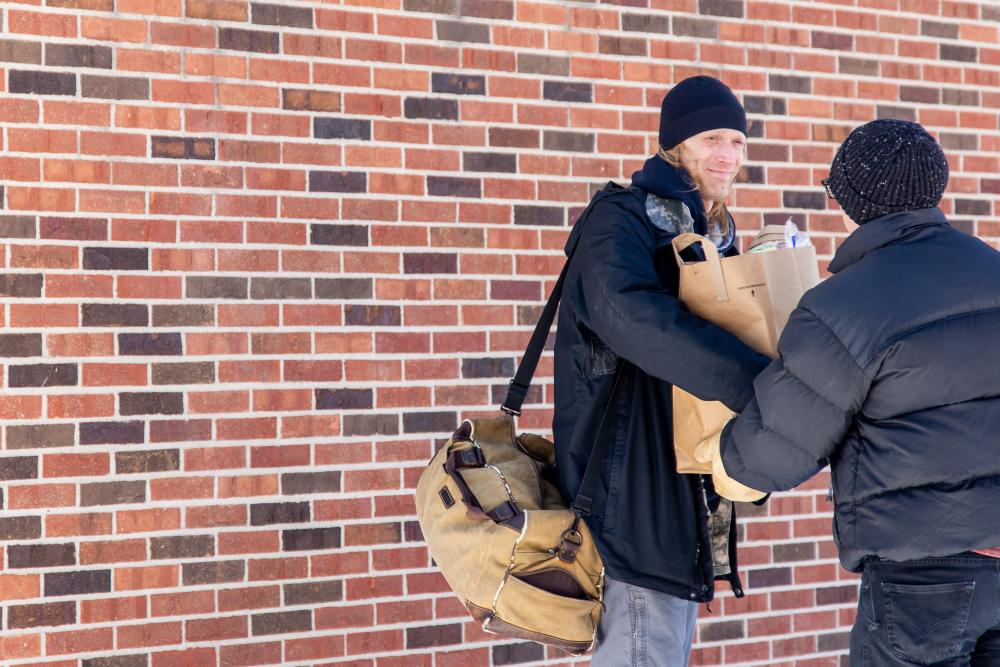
x,y
519,385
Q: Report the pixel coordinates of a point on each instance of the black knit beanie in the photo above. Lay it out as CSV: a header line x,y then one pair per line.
x,y
698,104
887,166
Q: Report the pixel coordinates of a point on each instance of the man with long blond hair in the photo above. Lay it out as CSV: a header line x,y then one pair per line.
x,y
623,340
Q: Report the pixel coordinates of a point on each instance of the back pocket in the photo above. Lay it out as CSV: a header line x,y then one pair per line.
x,y
926,622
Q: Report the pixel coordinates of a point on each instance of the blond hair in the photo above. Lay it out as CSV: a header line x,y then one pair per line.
x,y
718,214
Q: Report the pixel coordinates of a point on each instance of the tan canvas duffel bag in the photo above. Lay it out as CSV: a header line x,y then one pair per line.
x,y
519,557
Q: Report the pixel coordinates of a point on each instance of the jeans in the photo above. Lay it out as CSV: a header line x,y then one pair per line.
x,y
643,628
933,611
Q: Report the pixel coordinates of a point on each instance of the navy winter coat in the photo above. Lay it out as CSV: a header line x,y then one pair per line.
x,y
890,370
619,309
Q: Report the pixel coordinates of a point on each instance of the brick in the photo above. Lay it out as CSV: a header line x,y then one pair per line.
x,y
343,181
255,41
182,148
448,186
281,622
429,422
461,31
325,127
77,583
77,55
830,40
568,141
18,467
433,635
116,259
151,403
280,288
20,528
371,425
103,433
202,372
74,229
458,84
213,572
811,200
28,53
20,345
41,83
21,284
721,631
213,287
136,660
965,54
487,368
790,84
17,227
158,460
310,539
115,315
314,592
430,108
282,15
43,375
344,288
41,615
114,87
30,436
263,514
182,546
112,493
511,654
41,555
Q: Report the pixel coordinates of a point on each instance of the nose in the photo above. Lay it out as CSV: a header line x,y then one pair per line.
x,y
728,153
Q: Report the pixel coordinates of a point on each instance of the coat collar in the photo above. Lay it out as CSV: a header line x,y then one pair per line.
x,y
883,231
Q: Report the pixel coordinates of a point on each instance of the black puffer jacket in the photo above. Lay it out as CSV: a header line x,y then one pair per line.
x,y
619,309
890,370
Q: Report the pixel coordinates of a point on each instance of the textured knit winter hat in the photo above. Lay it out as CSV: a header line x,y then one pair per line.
x,y
887,166
698,104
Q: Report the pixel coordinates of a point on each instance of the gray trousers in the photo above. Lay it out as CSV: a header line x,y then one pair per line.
x,y
643,628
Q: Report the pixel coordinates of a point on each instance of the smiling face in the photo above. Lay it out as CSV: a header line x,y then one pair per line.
x,y
713,159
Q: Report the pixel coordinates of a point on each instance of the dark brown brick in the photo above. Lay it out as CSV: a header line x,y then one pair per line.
x,y
832,40
975,207
430,262
487,9
728,8
621,46
150,344
433,6
898,113
577,142
836,595
18,467
765,105
41,615
458,84
30,436
433,635
41,555
193,315
840,641
156,460
344,399
314,592
182,546
342,128
990,12
787,553
265,514
256,41
26,53
116,259
338,181
293,17
300,483
112,493
373,316
81,582
193,372
549,216
371,425
150,403
114,87
212,572
487,368
281,622
498,394
43,375
514,137
450,186
511,654
20,345
21,285
17,227
179,430
807,199
112,433
20,528
77,55
968,98
412,532
431,108
459,31
692,27
772,576
215,287
338,234
429,422
216,10
74,229
538,63
529,315
721,631
135,660
115,315
789,84
938,29
920,94
281,288
41,83
654,23
344,288
300,99
959,142
758,152
857,66
964,54
568,91
183,148
309,539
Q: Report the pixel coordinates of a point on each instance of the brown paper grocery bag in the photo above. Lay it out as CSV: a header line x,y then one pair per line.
x,y
751,296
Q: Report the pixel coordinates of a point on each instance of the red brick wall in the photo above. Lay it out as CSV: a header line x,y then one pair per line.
x,y
257,259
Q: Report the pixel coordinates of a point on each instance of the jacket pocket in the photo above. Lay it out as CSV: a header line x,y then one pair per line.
x,y
926,622
601,359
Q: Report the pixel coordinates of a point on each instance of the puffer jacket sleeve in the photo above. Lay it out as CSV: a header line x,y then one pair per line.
x,y
805,403
627,307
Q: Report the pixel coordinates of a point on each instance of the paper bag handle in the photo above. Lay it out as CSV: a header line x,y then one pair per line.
x,y
683,241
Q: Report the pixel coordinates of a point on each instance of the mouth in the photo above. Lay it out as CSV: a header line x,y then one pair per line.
x,y
722,175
